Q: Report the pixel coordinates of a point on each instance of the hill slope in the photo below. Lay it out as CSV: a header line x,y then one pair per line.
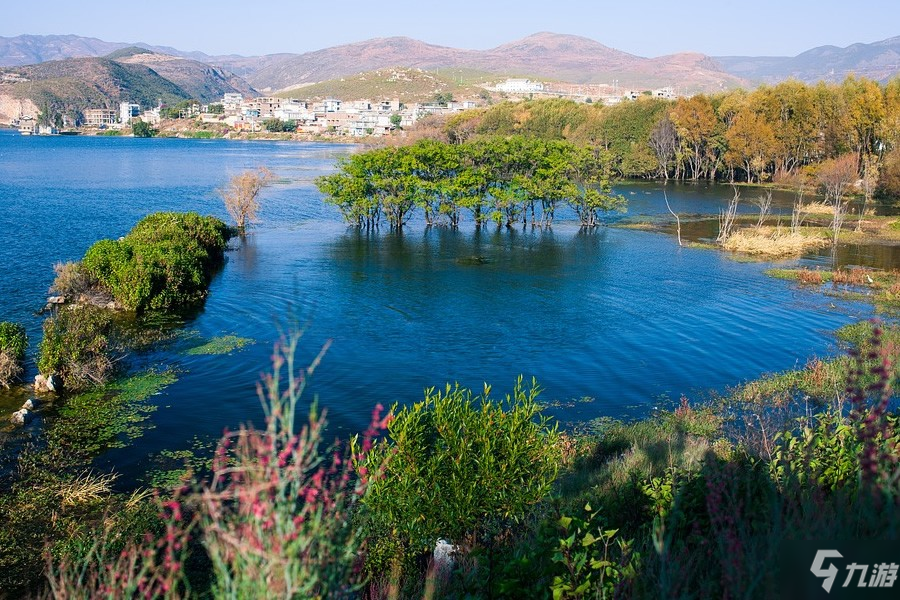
x,y
68,87
406,84
878,60
543,56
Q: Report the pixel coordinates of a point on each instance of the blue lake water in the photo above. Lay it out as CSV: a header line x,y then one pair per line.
x,y
624,317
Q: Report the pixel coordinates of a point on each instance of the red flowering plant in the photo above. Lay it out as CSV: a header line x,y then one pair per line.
x,y
277,512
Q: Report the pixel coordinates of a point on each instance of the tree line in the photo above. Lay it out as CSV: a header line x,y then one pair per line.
x,y
504,180
772,133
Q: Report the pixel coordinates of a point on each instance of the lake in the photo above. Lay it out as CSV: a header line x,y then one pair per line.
x,y
612,322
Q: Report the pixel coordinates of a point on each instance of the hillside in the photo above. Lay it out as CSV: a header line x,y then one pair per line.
x,y
198,80
543,56
72,85
68,87
409,85
878,60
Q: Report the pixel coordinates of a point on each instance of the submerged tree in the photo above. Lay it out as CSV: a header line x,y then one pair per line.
x,y
501,179
240,196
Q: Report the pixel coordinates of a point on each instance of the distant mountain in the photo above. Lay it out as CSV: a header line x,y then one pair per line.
x,y
879,61
69,86
543,56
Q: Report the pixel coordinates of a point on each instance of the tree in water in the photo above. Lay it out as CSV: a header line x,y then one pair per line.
x,y
240,196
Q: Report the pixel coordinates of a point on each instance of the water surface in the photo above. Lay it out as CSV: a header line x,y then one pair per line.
x,y
625,318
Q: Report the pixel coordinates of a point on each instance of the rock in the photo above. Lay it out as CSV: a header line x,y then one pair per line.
x,y
54,383
56,300
40,383
112,305
31,404
21,417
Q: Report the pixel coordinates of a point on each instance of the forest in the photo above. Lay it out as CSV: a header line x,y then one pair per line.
x,y
774,133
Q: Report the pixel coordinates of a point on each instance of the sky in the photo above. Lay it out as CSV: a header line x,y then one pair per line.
x,y
643,27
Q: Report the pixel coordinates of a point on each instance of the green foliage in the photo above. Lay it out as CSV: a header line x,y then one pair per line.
x,y
185,108
595,562
77,346
277,125
109,416
396,119
164,263
13,340
142,130
502,179
456,466
216,109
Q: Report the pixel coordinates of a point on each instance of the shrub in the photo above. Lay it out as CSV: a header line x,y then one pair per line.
x,y
460,467
13,342
165,262
72,279
77,346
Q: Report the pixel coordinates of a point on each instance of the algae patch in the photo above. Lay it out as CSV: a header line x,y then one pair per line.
x,y
107,417
224,344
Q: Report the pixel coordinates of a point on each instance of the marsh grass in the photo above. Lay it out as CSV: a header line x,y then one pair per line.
x,y
771,242
882,288
85,487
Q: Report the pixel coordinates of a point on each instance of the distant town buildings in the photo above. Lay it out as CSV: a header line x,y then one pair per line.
x,y
335,116
128,111
520,86
100,117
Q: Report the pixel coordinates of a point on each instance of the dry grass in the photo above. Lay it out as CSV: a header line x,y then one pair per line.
x,y
10,368
771,242
817,208
85,488
72,279
810,277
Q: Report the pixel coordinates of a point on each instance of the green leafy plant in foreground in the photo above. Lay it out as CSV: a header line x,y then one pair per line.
x,y
460,467
595,561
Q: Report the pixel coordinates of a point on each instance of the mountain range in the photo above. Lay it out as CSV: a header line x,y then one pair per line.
x,y
58,67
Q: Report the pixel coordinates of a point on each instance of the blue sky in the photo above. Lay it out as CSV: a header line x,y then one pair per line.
x,y
643,27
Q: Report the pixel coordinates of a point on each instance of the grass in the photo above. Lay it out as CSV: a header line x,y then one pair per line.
x,y
882,288
225,344
819,380
772,242
407,84
85,488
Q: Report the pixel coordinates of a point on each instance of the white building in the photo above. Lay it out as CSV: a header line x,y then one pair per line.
x,y
128,111
667,93
520,86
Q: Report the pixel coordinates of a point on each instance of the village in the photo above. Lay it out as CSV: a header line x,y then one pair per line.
x,y
321,118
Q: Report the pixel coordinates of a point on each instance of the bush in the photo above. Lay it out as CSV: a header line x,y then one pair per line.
x,y
77,346
460,467
72,279
165,262
13,342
